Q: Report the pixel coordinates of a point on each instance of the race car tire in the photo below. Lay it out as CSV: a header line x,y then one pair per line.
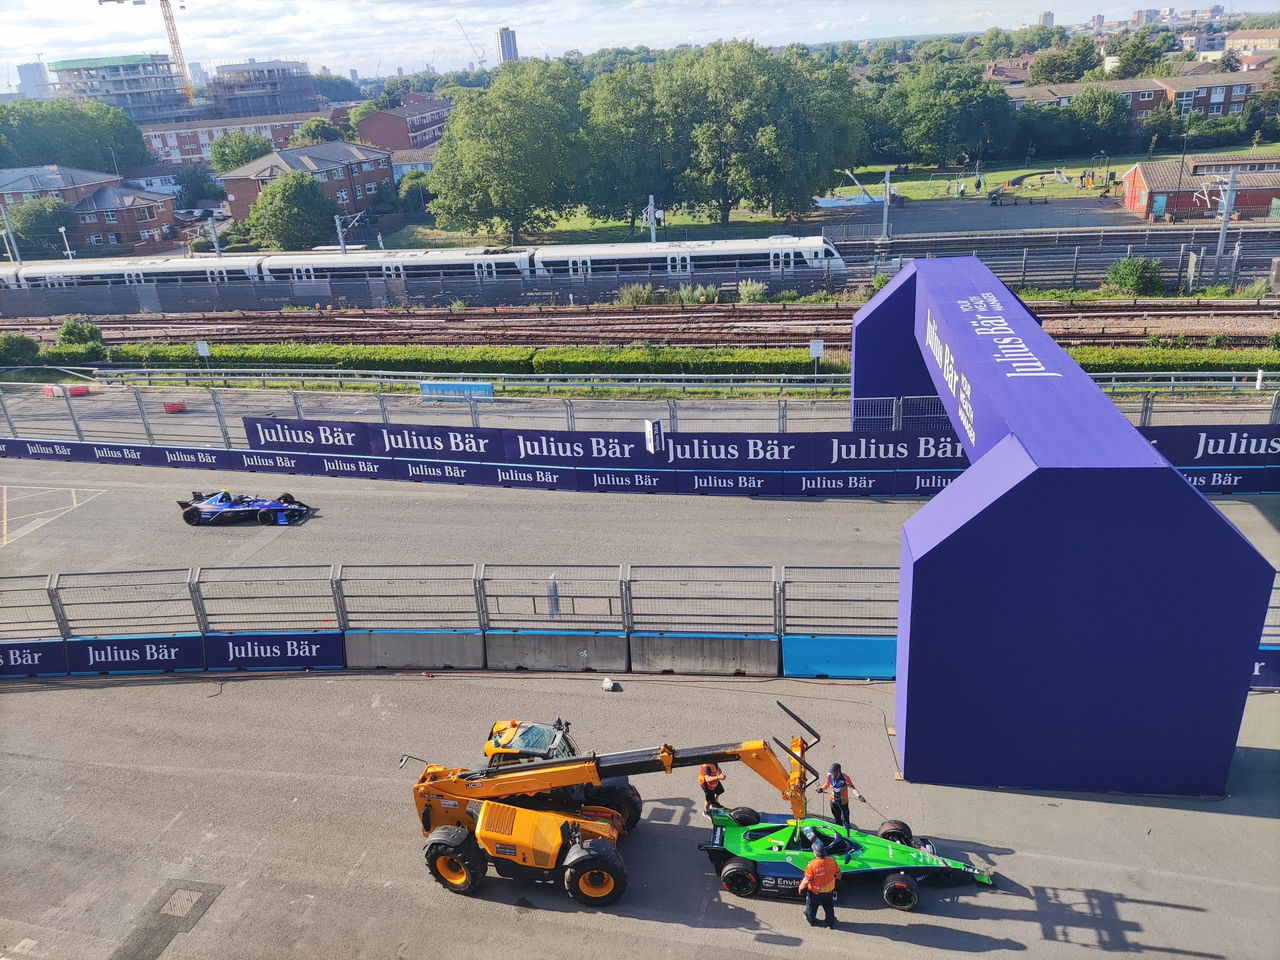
x,y
458,865
620,797
286,498
896,831
191,516
744,816
740,878
900,892
598,878
266,517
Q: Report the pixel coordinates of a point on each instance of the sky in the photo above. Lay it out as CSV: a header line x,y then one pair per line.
x,y
381,35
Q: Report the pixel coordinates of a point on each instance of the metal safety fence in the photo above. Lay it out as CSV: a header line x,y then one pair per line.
x,y
213,416
852,601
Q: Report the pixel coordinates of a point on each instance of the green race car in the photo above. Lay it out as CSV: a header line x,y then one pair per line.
x,y
765,854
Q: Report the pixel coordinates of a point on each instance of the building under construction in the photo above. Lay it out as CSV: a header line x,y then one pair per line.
x,y
262,88
147,87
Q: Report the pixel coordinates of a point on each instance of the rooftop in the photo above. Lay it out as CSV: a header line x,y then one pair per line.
x,y
422,155
1171,175
117,198
252,65
418,109
93,62
53,177
321,156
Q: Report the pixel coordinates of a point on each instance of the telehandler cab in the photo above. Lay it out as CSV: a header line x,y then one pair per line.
x,y
472,818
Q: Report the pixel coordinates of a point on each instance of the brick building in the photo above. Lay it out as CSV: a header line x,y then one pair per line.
x,y
1213,94
108,213
1192,188
190,142
1253,41
409,127
350,173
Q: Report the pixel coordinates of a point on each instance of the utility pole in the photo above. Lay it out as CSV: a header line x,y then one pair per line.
x,y
342,228
13,240
1228,206
213,232
653,224
884,218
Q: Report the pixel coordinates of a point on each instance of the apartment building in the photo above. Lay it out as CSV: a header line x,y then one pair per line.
x,y
190,142
349,173
1212,94
108,213
409,127
263,88
1247,42
147,88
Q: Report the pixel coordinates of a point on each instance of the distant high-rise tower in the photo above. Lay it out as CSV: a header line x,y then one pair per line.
x,y
199,76
1046,19
507,45
355,77
399,71
33,81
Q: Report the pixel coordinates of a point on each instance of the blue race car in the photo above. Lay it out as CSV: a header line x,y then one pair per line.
x,y
222,507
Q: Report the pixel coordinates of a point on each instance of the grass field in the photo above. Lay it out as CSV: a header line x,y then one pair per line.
x,y
923,183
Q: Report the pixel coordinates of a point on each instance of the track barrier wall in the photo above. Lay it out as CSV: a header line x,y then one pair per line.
x,y
830,622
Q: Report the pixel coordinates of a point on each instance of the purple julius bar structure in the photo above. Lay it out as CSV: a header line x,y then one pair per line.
x,y
1073,614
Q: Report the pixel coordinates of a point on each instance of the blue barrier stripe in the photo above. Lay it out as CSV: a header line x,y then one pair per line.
x,y
468,632
134,636
558,633
772,637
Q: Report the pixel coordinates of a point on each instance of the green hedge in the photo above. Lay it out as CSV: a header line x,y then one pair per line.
x,y
1140,359
670,360
342,356
72,354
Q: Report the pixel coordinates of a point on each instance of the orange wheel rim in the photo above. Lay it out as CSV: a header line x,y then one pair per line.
x,y
596,883
452,870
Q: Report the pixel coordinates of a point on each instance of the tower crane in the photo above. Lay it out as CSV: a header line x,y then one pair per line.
x,y
480,57
175,47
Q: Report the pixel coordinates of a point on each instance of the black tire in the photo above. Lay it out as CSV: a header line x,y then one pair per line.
x,y
191,516
266,517
740,878
896,831
744,816
286,498
900,892
597,879
459,868
622,798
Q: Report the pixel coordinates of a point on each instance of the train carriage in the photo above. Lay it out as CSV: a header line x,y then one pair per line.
x,y
777,254
478,263
156,270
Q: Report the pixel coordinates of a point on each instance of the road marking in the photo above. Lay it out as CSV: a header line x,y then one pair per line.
x,y
67,499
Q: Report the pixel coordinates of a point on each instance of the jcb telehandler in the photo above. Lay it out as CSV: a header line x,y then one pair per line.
x,y
474,817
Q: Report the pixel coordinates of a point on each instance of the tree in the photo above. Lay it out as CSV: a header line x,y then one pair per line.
x,y
415,191
73,133
315,130
1230,62
237,148
366,109
511,156
630,154
759,127
1266,21
1054,66
1163,123
1102,115
37,221
948,113
996,44
334,88
292,213
194,185
76,330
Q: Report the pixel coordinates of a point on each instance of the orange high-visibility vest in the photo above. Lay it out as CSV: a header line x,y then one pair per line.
x,y
822,873
707,770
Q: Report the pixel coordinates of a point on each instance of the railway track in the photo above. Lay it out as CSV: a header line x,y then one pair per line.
x,y
1248,323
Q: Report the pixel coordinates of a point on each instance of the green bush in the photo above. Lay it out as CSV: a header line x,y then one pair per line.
x,y
341,356
1218,341
72,354
696,293
77,329
1273,340
635,295
818,296
1255,290
240,248
17,350
753,291
457,306
657,360
786,296
1140,359
1136,275
879,281
201,245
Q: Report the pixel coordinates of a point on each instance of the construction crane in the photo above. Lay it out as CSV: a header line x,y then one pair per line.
x,y
175,47
480,57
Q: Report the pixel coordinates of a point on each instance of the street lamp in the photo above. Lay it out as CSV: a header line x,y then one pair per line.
x,y
71,255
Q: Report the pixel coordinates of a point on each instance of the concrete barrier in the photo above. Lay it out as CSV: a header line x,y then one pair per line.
x,y
568,650
811,655
741,654
33,658
430,649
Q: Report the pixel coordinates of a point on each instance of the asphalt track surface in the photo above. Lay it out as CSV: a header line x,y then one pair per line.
x,y
275,803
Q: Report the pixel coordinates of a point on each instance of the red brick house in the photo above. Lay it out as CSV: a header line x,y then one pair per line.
x,y
108,213
190,141
1191,189
1213,94
409,127
350,173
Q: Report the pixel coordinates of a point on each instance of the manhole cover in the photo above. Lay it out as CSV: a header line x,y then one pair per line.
x,y
180,904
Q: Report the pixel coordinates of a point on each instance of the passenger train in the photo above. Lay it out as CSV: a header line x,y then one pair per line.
x,y
677,261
